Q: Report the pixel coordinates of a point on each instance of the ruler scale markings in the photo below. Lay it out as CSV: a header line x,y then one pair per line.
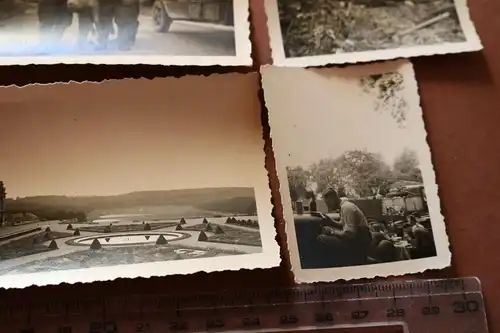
x,y
429,294
394,298
358,293
425,305
462,285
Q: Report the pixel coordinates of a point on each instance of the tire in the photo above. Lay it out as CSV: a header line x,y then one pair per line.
x,y
161,20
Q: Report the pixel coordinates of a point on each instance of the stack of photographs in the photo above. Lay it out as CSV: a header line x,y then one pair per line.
x,y
358,187
140,178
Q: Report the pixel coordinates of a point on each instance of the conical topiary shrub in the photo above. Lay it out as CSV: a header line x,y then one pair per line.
x,y
228,220
147,226
69,227
53,245
147,237
202,237
47,229
77,232
218,230
205,221
161,240
208,227
96,245
107,239
178,227
47,235
182,221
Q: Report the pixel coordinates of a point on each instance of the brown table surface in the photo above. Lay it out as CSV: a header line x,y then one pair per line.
x,y
461,101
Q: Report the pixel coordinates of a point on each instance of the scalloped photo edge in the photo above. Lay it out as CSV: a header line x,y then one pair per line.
x,y
471,41
311,146
97,146
242,48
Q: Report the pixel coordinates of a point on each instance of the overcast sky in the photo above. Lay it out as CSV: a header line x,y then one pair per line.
x,y
320,116
120,137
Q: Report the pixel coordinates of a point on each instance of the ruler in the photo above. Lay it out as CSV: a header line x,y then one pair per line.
x,y
418,306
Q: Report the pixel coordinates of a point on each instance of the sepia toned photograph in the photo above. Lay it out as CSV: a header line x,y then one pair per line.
x,y
358,187
106,180
314,33
164,32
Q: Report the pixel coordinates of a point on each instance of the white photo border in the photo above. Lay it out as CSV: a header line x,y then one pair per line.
x,y
243,49
269,257
443,258
471,44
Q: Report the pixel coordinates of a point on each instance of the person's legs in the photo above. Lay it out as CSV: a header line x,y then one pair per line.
x,y
334,251
63,22
104,24
54,18
127,20
85,26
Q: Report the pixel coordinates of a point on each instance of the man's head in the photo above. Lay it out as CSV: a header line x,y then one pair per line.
x,y
376,227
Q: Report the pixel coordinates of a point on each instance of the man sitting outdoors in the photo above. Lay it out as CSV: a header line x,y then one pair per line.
x,y
349,239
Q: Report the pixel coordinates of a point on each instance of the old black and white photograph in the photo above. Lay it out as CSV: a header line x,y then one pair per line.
x,y
319,32
355,172
133,188
166,32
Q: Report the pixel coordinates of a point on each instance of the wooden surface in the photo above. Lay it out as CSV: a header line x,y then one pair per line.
x,y
461,100
461,103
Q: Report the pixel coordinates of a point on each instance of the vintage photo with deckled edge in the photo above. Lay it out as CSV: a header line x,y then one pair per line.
x,y
316,33
356,178
154,32
133,178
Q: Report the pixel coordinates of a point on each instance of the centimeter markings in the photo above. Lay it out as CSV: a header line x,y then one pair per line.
x,y
302,294
442,303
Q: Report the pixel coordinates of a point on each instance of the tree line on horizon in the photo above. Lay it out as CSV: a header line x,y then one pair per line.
x,y
355,173
230,200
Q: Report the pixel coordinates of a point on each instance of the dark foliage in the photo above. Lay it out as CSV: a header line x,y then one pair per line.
x,y
318,27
